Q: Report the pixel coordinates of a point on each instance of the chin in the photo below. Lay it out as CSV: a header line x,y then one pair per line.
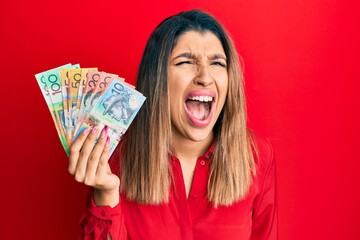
x,y
199,135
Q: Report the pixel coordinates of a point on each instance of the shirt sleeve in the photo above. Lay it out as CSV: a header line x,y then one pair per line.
x,y
98,222
265,204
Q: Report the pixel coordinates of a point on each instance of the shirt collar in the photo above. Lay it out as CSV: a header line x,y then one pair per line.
x,y
210,151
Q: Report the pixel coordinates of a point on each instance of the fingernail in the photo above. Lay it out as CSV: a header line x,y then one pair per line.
x,y
107,143
94,130
86,131
104,131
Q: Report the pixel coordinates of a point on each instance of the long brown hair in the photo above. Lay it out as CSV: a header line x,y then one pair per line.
x,y
145,171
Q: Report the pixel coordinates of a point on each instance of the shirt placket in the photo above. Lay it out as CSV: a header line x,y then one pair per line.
x,y
197,197
181,202
189,207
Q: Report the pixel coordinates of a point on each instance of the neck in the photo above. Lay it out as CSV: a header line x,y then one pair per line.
x,y
189,149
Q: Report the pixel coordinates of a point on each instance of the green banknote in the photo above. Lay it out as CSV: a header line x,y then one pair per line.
x,y
55,87
46,92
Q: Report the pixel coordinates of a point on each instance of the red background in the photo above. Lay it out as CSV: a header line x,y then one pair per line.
x,y
301,68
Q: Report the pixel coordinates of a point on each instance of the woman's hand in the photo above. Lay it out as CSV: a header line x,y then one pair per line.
x,y
88,163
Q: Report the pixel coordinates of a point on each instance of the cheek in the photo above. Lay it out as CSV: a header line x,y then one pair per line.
x,y
223,91
176,88
220,74
172,84
173,96
222,84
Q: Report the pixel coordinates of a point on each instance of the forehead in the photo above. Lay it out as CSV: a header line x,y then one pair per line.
x,y
195,41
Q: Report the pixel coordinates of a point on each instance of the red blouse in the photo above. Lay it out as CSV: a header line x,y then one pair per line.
x,y
254,217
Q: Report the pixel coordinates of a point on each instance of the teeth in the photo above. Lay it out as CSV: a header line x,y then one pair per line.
x,y
202,98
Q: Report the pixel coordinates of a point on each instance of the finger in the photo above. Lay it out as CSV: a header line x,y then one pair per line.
x,y
103,165
93,161
85,154
98,149
75,149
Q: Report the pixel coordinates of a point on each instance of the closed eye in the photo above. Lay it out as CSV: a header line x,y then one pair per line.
x,y
183,62
218,63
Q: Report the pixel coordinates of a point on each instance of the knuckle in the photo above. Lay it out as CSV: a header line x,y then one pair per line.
x,y
79,178
92,157
102,141
88,181
106,151
84,153
71,170
99,182
103,162
105,159
74,149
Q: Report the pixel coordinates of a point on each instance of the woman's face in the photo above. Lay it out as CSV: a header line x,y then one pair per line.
x,y
198,83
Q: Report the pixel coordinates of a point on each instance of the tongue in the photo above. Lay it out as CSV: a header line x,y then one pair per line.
x,y
199,110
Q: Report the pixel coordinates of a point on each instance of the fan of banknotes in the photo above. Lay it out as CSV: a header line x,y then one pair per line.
x,y
80,98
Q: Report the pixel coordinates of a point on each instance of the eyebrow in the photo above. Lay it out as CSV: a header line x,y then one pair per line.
x,y
185,54
190,55
217,56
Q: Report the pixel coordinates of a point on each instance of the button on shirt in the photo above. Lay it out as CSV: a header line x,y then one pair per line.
x,y
182,218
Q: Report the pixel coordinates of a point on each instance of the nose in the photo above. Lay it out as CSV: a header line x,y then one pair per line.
x,y
203,77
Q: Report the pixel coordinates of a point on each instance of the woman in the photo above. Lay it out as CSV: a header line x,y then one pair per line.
x,y
188,167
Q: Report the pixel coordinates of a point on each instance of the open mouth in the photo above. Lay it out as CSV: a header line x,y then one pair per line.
x,y
199,106
199,109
